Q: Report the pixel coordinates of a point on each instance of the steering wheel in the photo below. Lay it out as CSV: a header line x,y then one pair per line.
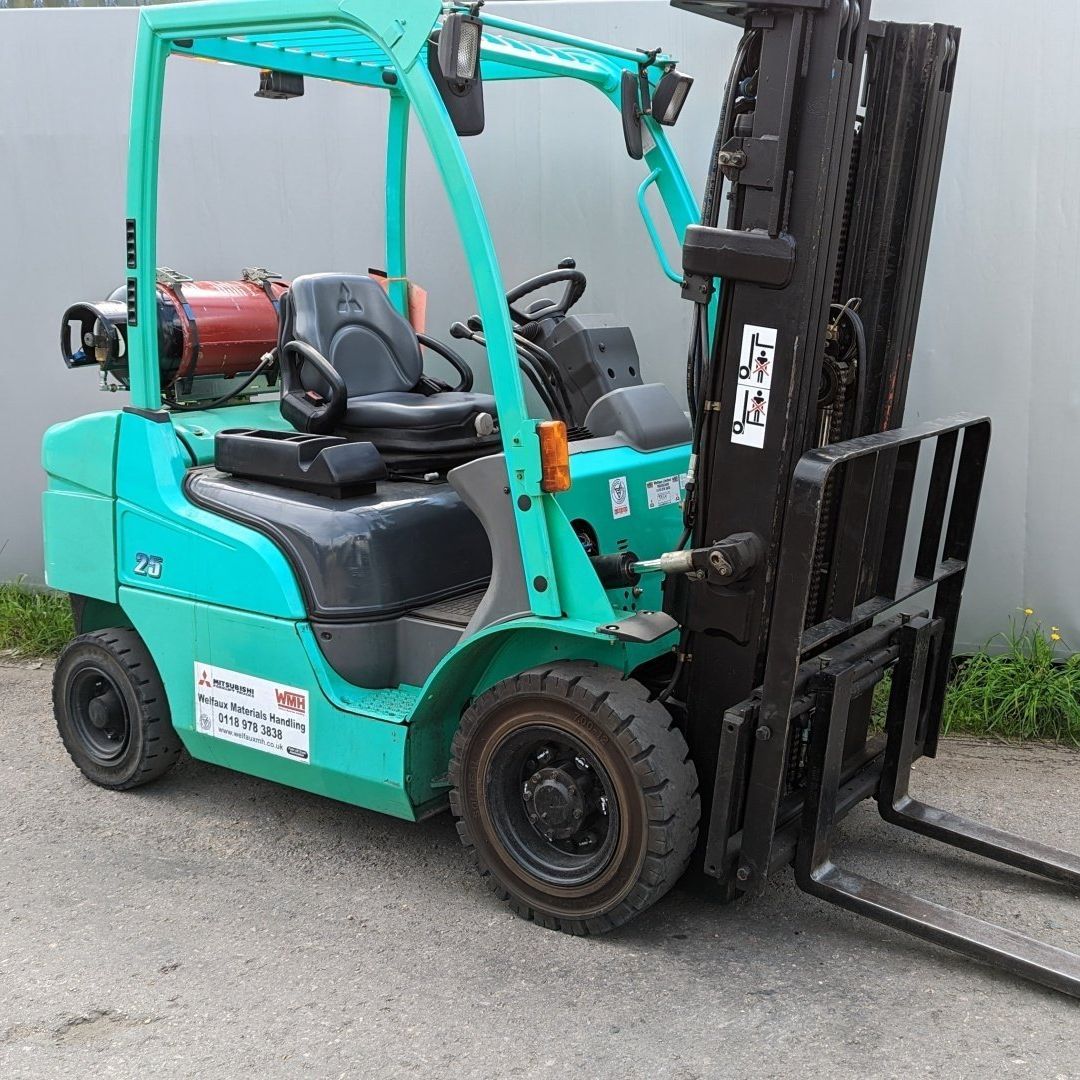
x,y
575,287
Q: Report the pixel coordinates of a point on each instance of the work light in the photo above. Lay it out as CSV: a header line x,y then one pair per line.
x,y
279,85
459,47
670,96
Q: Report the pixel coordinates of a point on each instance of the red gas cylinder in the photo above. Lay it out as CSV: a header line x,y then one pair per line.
x,y
215,328
225,326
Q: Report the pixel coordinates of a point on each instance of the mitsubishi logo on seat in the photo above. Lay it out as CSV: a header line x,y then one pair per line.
x,y
346,301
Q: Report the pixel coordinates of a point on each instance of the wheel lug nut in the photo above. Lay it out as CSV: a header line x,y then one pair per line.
x,y
577,814
535,778
573,790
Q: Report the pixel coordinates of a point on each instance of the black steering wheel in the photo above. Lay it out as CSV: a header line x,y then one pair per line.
x,y
575,287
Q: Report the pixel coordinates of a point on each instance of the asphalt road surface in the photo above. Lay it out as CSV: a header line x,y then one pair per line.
x,y
214,925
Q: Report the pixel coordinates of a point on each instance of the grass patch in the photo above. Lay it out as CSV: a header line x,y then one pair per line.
x,y
879,711
33,622
1022,686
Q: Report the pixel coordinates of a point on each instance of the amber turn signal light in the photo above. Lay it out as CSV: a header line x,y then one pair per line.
x,y
554,456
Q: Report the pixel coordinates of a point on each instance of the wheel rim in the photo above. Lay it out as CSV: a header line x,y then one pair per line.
x,y
553,805
99,714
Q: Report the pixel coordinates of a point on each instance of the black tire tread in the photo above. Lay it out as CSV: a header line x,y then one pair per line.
x,y
657,750
161,745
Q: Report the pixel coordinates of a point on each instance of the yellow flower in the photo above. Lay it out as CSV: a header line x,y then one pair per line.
x,y
1029,611
1055,637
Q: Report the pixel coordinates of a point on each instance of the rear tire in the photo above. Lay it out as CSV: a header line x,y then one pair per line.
x,y
111,710
575,796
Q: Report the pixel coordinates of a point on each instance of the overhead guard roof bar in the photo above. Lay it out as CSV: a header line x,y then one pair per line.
x,y
633,56
330,50
353,57
296,61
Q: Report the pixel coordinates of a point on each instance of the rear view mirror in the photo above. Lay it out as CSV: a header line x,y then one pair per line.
x,y
631,115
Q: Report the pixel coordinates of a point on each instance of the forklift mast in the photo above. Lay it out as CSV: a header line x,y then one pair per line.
x,y
802,484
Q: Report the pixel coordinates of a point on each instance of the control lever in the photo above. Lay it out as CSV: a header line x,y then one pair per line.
x,y
537,364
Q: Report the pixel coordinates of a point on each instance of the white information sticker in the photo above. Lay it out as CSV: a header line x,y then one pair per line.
x,y
663,492
253,712
755,385
620,497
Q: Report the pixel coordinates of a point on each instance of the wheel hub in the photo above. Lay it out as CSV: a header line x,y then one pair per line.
x,y
552,805
99,715
555,798
106,712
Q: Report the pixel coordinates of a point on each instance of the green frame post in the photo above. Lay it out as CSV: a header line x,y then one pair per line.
x,y
151,53
397,160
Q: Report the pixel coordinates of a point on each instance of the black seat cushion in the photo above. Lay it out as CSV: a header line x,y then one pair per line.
x,y
350,321
417,412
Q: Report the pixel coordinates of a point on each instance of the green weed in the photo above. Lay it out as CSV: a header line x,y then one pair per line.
x,y
1023,685
33,622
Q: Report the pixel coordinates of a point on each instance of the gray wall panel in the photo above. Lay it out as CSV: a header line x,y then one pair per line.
x,y
298,186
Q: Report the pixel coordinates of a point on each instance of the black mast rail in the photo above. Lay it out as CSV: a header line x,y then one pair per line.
x,y
788,164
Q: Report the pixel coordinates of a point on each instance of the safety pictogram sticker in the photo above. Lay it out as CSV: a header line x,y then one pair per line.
x,y
756,362
620,497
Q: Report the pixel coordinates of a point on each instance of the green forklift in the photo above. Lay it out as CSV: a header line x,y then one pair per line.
x,y
617,634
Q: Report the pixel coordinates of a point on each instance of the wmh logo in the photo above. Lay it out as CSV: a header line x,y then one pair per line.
x,y
291,701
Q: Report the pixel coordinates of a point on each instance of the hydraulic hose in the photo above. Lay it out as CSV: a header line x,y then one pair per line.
x,y
860,365
710,216
216,403
710,204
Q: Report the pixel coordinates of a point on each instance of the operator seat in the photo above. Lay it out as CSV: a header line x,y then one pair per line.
x,y
351,365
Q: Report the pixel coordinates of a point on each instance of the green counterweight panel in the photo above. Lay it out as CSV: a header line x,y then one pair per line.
x,y
79,458
196,554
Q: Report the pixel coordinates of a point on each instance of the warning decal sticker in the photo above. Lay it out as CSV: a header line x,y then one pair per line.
x,y
754,387
664,492
620,497
253,712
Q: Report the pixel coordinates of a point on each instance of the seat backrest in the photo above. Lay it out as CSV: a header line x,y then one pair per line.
x,y
350,320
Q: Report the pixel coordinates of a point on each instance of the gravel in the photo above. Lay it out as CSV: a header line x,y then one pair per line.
x,y
213,924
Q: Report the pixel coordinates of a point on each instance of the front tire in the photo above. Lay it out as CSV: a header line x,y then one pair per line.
x,y
575,796
111,710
